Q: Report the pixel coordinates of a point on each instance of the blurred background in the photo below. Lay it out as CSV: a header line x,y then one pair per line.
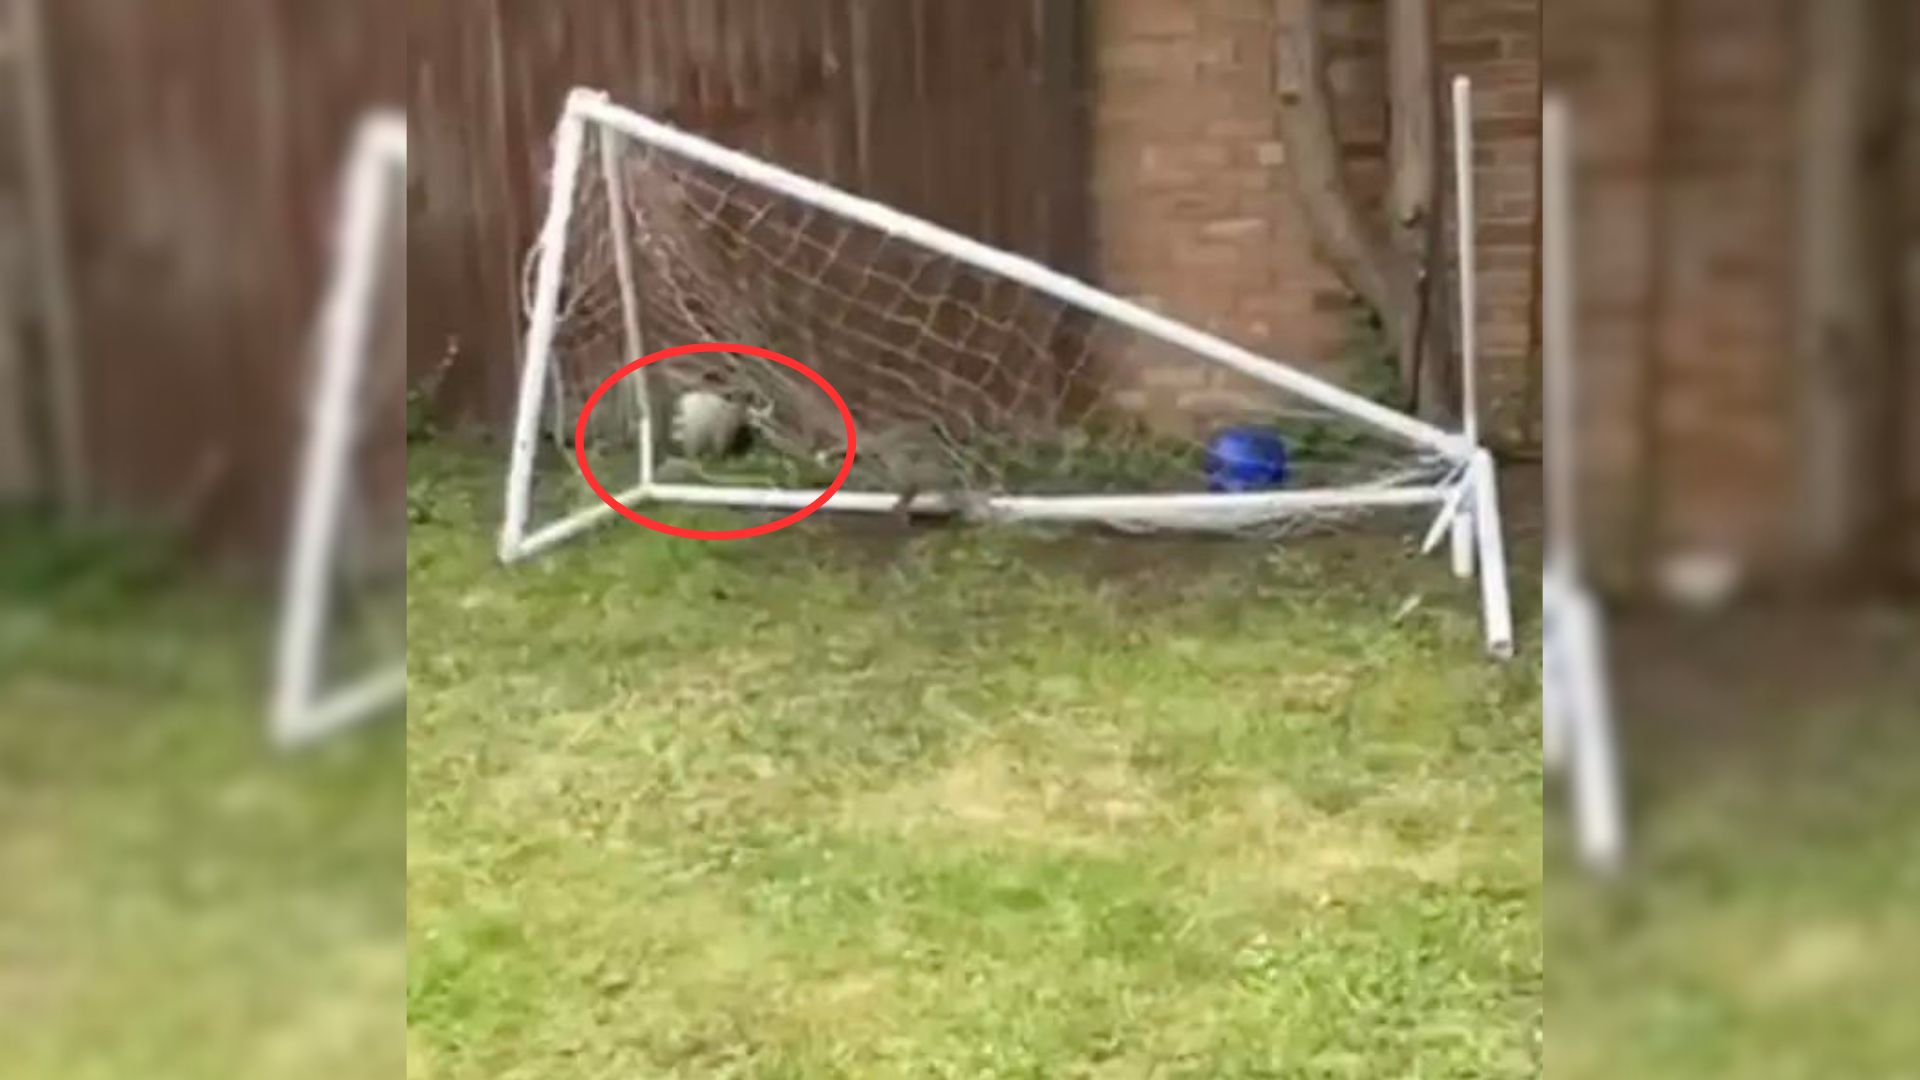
x,y
1747,376
1748,211
176,898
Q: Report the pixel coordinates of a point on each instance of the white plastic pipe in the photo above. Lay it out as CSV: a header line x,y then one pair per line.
x,y
298,711
642,387
1599,814
1466,234
354,703
540,330
1172,510
1466,230
1578,719
1496,602
1557,300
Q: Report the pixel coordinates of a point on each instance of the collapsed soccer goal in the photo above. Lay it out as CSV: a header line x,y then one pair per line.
x,y
341,645
1039,398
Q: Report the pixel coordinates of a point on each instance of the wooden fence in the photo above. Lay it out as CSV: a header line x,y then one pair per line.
x,y
200,142
969,114
199,145
1705,343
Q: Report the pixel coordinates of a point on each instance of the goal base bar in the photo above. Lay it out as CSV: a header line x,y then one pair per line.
x,y
1473,497
1170,509
299,724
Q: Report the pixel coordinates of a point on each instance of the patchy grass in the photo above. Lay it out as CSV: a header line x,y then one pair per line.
x,y
1770,927
175,901
973,804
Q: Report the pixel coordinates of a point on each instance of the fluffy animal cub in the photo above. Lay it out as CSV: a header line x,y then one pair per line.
x,y
709,424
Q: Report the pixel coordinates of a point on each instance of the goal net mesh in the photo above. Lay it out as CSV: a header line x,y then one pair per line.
x,y
1004,388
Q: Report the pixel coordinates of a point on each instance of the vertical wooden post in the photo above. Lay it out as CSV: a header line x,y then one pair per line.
x,y
1306,125
511,230
863,93
1413,162
46,212
1847,435
1410,99
1648,527
20,467
1370,261
1066,28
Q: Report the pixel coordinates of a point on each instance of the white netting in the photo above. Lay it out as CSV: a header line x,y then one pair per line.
x,y
1004,388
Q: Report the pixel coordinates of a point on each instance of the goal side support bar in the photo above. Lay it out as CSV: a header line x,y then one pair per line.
x,y
1470,517
1466,235
301,711
1577,709
552,244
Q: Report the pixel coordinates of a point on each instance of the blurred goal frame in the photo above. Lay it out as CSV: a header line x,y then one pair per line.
x,y
304,710
1577,709
1467,501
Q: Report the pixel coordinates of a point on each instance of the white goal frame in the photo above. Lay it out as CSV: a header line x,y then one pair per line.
x,y
302,709
1577,702
1467,501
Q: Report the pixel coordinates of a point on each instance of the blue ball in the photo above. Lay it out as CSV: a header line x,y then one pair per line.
x,y
1246,459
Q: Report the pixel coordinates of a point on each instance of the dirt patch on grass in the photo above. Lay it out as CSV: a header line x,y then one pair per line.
x,y
992,792
1270,838
1757,682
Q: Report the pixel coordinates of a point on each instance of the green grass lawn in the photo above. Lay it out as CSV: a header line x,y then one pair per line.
x,y
1770,927
176,901
827,804
975,804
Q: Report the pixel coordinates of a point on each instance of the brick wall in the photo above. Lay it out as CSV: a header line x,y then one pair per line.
x,y
1496,43
1601,53
1685,274
1195,210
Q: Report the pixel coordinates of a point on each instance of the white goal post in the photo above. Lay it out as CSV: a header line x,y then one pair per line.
x,y
655,238
1577,705
308,701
